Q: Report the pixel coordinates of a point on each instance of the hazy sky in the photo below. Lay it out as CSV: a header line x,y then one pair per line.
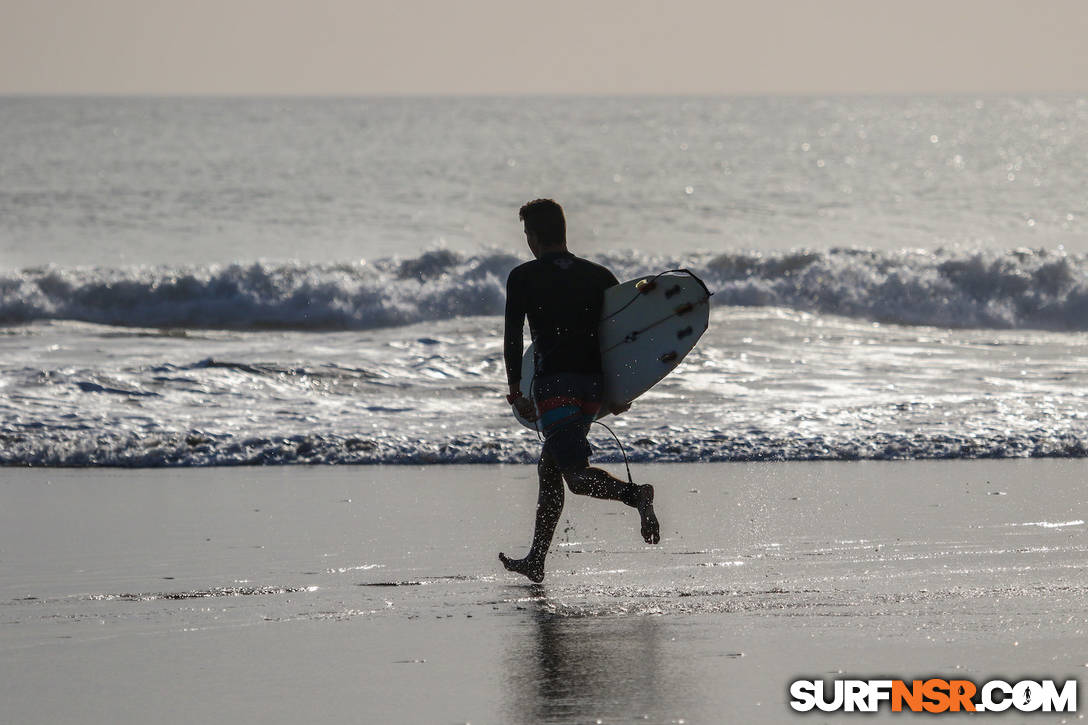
x,y
559,46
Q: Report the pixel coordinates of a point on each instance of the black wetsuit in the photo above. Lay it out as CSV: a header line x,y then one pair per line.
x,y
562,296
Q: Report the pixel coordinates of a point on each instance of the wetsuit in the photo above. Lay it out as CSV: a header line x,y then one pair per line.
x,y
562,295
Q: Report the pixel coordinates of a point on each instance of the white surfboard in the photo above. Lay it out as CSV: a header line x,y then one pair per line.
x,y
648,325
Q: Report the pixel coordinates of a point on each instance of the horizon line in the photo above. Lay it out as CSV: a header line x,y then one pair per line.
x,y
346,95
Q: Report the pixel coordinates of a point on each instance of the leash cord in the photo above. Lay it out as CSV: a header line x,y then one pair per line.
x,y
532,386
624,452
638,294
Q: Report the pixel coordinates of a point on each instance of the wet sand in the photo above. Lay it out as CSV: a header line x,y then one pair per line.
x,y
372,594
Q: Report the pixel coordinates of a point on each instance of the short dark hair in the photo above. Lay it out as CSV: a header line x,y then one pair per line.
x,y
544,218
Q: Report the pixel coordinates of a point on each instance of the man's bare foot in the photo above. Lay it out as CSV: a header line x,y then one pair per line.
x,y
651,529
533,570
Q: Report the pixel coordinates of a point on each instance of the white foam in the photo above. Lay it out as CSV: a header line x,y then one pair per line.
x,y
763,384
983,289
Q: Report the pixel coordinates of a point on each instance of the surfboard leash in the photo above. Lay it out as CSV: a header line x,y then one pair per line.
x,y
622,451
652,280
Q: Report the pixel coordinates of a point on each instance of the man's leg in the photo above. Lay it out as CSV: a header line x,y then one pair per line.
x,y
598,483
549,507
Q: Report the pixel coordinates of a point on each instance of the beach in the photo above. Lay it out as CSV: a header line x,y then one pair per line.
x,y
373,593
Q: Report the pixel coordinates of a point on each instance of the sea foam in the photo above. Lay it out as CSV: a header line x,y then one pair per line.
x,y
1022,288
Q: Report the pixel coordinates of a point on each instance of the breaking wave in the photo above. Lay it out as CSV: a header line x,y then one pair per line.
x,y
1033,289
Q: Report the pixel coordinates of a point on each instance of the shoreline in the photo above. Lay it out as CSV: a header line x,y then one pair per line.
x,y
341,450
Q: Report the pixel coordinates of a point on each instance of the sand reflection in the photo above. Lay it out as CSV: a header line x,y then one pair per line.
x,y
572,668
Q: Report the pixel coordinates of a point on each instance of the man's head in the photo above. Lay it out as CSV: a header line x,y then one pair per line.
x,y
545,226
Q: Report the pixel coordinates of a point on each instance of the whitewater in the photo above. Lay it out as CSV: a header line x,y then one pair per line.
x,y
1021,288
844,354
189,282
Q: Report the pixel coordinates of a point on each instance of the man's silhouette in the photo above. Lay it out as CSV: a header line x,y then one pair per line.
x,y
562,295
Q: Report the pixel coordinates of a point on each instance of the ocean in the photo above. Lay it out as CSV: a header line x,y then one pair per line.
x,y
221,281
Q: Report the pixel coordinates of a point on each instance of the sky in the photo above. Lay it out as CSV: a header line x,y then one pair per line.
x,y
352,47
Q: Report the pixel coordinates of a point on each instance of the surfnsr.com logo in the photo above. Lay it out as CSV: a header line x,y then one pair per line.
x,y
934,695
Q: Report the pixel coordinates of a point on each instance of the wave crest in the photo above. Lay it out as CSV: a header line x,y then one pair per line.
x,y
948,288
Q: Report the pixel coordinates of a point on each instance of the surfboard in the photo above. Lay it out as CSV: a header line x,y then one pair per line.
x,y
647,327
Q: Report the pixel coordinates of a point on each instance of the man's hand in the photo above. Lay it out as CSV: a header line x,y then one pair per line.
x,y
522,405
617,408
525,408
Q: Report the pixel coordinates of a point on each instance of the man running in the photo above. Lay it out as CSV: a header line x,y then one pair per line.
x,y
563,296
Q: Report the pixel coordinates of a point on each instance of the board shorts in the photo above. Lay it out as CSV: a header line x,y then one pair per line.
x,y
567,404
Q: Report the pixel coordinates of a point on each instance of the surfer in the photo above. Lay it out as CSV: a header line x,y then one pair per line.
x,y
562,295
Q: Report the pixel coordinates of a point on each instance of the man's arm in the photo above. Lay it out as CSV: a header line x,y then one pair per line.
x,y
615,409
513,345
